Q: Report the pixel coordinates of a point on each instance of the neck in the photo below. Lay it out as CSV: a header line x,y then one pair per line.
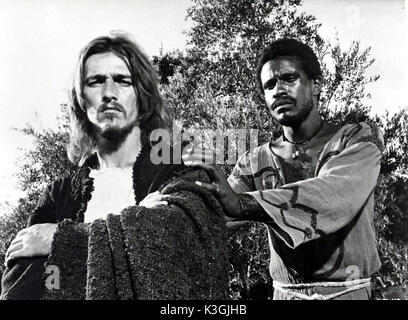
x,y
123,156
306,131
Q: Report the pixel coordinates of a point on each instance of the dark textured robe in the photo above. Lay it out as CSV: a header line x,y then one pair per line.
x,y
169,252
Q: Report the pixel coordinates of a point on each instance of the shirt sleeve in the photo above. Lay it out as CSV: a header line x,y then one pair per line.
x,y
22,278
45,211
309,209
241,178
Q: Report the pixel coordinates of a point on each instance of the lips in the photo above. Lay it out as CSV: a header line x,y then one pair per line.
x,y
111,107
282,102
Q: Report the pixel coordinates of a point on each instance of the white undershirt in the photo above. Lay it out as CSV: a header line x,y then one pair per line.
x,y
113,191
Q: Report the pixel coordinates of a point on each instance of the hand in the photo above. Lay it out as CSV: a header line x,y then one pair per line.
x,y
153,200
219,186
32,241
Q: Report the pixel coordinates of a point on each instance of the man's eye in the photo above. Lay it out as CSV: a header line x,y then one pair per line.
x,y
270,85
123,81
94,82
290,79
126,83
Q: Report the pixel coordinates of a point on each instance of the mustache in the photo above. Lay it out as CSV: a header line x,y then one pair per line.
x,y
283,100
113,105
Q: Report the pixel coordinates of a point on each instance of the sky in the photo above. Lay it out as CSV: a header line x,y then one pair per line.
x,y
40,41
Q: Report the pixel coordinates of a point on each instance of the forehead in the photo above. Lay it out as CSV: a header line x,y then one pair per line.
x,y
281,66
105,63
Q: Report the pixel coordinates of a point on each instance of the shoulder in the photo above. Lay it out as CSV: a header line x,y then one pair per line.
x,y
251,163
175,177
361,132
54,194
251,155
60,184
167,172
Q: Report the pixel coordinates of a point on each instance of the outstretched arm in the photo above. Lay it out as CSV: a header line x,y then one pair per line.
x,y
237,206
311,208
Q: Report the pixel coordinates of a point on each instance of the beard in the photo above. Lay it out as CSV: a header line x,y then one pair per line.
x,y
114,136
295,120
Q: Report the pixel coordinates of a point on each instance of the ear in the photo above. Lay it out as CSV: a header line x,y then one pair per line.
x,y
317,86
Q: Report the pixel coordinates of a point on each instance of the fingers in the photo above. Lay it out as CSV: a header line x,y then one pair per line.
x,y
212,170
15,245
199,155
13,251
152,195
199,158
15,241
206,160
18,253
154,204
153,200
22,232
217,189
33,241
211,187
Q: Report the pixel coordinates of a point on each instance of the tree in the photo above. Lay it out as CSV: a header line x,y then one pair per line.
x,y
43,163
224,44
212,85
391,219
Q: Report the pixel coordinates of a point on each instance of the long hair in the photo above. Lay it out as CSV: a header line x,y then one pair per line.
x,y
152,113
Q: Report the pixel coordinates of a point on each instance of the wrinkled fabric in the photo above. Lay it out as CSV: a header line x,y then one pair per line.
x,y
175,252
359,294
190,229
322,227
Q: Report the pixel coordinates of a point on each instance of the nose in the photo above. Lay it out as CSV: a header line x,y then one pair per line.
x,y
281,89
110,91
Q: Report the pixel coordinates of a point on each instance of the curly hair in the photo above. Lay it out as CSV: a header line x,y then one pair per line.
x,y
152,113
287,47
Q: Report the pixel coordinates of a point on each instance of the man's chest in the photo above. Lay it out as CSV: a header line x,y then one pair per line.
x,y
278,168
299,163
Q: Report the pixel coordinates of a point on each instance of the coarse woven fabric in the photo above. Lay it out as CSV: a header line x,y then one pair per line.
x,y
69,256
177,251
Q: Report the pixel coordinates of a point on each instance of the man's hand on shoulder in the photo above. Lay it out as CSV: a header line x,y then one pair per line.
x,y
32,241
219,186
153,200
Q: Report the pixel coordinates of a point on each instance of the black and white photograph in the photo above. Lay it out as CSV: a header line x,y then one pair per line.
x,y
216,152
